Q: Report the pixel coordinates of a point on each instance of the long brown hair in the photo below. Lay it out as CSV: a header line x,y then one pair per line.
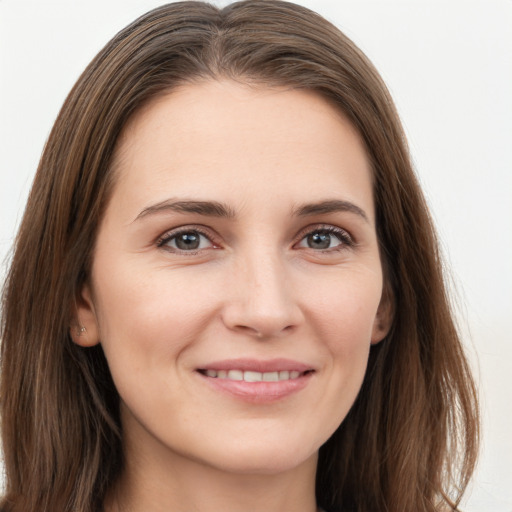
x,y
410,440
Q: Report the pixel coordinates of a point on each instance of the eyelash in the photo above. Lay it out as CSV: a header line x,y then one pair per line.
x,y
346,240
167,237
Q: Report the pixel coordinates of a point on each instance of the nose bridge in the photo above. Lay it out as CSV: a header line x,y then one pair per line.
x,y
266,277
265,302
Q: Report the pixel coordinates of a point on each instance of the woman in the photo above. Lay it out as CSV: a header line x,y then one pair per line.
x,y
226,292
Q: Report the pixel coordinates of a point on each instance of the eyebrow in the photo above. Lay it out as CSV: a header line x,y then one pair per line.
x,y
330,206
217,209
206,208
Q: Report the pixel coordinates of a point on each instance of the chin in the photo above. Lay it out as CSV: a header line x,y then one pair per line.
x,y
264,462
260,455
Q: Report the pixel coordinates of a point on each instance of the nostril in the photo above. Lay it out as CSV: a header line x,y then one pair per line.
x,y
261,334
262,320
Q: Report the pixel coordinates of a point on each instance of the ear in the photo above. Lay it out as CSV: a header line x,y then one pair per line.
x,y
384,317
84,330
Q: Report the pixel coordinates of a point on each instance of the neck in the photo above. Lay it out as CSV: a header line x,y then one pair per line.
x,y
161,480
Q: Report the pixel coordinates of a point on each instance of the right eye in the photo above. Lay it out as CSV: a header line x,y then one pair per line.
x,y
187,240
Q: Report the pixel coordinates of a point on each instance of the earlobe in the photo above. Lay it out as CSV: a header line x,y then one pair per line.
x,y
384,317
84,328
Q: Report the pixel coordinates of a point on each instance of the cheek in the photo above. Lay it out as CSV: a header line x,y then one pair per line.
x,y
147,316
340,313
344,309
149,322
343,316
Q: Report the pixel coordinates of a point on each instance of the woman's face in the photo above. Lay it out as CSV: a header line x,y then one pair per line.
x,y
236,279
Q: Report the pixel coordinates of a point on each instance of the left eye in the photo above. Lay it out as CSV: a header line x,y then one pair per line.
x,y
322,239
186,241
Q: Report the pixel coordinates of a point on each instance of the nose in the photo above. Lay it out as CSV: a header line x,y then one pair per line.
x,y
262,301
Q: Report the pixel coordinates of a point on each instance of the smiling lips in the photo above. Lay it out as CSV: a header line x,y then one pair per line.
x,y
257,381
251,376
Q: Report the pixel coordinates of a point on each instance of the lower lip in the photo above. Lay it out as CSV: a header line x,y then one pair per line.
x,y
259,392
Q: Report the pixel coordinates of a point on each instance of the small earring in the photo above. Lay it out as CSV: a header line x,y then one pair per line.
x,y
80,330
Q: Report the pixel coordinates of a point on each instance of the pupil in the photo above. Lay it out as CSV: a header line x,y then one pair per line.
x,y
319,240
187,241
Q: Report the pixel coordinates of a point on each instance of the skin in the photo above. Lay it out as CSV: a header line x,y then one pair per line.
x,y
259,286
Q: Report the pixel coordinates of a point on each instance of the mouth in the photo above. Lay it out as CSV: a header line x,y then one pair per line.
x,y
257,381
253,376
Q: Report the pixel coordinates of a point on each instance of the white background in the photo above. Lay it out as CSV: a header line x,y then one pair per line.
x,y
448,64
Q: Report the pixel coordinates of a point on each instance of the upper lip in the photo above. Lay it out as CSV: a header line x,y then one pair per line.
x,y
256,365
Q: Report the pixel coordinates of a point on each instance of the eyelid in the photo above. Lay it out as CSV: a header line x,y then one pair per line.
x,y
347,240
170,234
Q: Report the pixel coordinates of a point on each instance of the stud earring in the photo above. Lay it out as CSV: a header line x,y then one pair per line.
x,y
81,330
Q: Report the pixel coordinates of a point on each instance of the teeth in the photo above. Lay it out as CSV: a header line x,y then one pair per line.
x,y
250,376
253,376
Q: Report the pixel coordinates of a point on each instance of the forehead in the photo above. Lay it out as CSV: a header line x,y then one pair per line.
x,y
238,141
